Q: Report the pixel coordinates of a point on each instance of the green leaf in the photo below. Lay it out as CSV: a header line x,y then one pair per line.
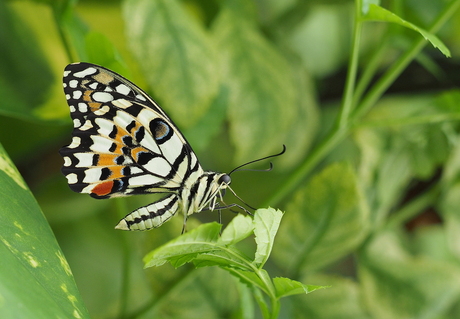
x,y
224,257
263,94
238,229
177,56
397,285
266,224
377,13
288,287
186,247
35,279
325,219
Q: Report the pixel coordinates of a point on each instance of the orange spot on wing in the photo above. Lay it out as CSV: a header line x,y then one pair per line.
x,y
103,189
116,172
87,96
94,105
106,160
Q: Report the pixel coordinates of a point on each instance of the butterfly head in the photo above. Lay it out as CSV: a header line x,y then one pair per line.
x,y
224,180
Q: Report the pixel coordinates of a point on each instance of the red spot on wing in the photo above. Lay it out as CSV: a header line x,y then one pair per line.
x,y
103,189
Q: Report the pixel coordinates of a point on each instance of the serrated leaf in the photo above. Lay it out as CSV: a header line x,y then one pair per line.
x,y
325,219
397,285
377,13
238,229
262,90
185,248
266,224
35,279
288,287
177,56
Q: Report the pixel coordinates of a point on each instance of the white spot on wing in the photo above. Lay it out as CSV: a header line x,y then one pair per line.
x,y
158,166
67,161
85,72
92,175
76,94
100,144
66,73
141,97
122,103
105,126
102,110
88,124
75,142
73,84
76,123
123,89
84,159
83,107
172,148
102,97
72,178
144,180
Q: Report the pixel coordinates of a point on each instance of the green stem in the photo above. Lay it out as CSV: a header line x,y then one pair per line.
x,y
347,102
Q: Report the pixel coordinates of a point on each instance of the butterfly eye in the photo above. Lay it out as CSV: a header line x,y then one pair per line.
x,y
161,130
224,179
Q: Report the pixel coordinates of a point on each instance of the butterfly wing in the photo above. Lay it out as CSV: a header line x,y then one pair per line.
x,y
122,142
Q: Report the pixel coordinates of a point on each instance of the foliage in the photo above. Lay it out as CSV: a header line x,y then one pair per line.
x,y
369,183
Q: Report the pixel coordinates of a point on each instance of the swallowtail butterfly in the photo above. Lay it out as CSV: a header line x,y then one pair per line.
x,y
124,144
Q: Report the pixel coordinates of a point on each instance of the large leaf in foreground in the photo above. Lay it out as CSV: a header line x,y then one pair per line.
x,y
35,279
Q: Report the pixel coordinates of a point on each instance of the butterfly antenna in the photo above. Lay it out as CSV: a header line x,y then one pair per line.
x,y
258,160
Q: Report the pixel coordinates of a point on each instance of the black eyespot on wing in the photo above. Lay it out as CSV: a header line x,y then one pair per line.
x,y
161,130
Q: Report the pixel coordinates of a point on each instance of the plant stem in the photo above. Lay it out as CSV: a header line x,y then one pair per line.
x,y
347,101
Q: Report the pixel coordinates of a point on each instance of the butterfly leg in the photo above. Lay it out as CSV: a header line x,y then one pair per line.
x,y
150,216
184,226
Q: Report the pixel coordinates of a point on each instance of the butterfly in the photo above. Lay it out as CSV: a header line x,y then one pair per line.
x,y
124,144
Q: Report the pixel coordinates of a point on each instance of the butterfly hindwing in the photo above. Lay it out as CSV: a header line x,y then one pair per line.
x,y
123,143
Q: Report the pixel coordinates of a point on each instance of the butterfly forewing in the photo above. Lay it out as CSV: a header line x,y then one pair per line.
x,y
123,144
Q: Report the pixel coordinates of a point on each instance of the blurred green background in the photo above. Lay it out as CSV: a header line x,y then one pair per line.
x,y
375,215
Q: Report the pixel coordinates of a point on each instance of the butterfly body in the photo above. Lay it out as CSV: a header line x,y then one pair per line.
x,y
124,144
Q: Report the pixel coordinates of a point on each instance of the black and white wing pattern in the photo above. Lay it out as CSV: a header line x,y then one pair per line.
x,y
124,144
